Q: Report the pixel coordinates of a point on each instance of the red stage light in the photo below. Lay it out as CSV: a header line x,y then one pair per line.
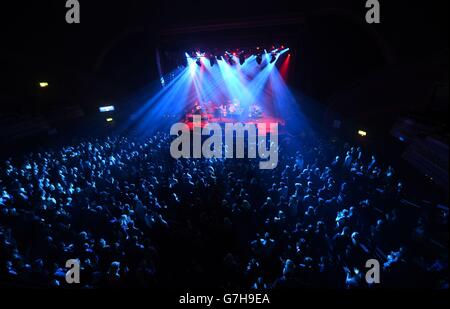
x,y
284,68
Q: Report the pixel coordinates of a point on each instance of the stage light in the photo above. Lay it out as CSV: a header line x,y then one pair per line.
x,y
362,133
104,109
43,84
199,62
109,120
284,50
230,59
258,59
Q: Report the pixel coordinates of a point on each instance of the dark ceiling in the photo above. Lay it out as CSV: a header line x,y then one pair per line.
x,y
117,39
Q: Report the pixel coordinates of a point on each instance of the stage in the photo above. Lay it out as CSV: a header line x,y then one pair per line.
x,y
263,119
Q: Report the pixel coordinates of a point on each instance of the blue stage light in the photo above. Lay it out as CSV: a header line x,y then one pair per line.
x,y
256,82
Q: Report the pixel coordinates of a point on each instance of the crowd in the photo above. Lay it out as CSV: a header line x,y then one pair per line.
x,y
134,216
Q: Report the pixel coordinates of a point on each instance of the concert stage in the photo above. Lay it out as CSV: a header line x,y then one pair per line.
x,y
237,86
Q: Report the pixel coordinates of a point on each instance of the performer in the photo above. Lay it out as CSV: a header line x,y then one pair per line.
x,y
197,107
235,108
223,109
255,111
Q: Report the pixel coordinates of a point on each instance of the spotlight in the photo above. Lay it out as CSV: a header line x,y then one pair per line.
x,y
241,59
199,63
43,84
109,119
258,59
230,59
362,133
104,109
